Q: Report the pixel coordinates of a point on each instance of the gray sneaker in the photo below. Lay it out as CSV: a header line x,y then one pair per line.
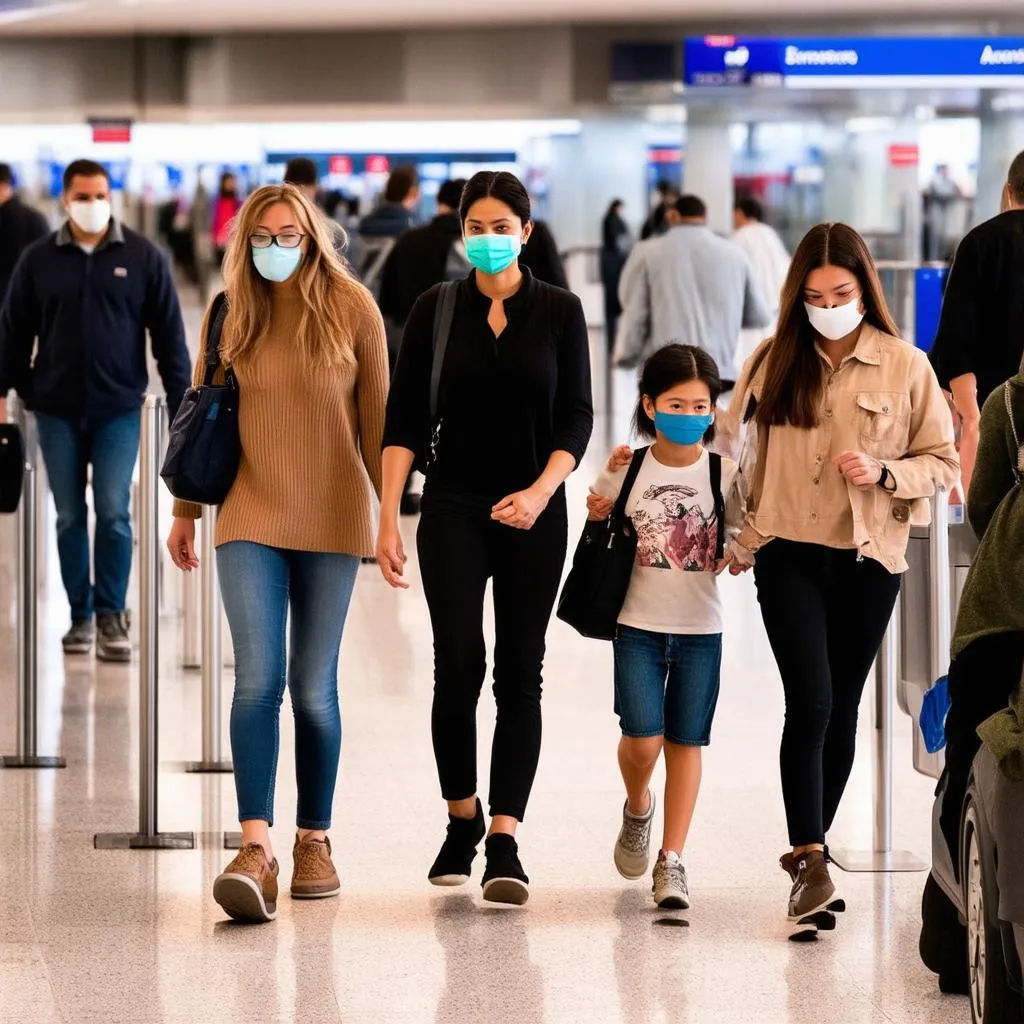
x,y
633,847
114,644
671,890
78,639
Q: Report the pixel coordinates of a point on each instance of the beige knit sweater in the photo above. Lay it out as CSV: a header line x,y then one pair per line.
x,y
311,440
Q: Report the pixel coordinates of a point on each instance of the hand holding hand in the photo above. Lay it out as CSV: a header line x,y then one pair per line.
x,y
620,458
859,469
599,508
391,557
521,510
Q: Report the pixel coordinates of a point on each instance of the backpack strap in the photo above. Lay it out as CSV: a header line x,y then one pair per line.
x,y
1018,465
715,468
444,314
218,314
619,509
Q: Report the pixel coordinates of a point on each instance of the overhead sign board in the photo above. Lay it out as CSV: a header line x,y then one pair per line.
x,y
853,63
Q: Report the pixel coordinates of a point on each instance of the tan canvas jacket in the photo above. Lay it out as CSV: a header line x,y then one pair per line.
x,y
885,401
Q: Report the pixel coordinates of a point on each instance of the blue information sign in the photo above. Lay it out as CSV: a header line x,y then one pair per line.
x,y
853,62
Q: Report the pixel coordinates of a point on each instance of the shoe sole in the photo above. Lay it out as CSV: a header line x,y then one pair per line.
x,y
448,881
805,928
77,649
506,890
118,657
242,899
673,903
627,874
316,895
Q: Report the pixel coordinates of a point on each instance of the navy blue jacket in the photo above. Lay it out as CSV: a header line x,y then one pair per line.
x,y
20,226
90,313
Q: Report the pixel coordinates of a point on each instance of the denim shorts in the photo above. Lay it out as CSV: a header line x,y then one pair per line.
x,y
666,684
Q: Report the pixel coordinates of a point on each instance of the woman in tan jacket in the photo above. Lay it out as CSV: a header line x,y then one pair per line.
x,y
307,346
846,435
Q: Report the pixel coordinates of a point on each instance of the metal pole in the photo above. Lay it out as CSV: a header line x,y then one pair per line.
x,y
882,859
148,837
940,597
213,658
27,607
191,636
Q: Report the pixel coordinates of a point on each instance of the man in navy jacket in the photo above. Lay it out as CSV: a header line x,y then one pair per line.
x,y
83,298
20,226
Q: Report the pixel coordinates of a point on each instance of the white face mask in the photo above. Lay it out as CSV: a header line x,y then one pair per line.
x,y
837,322
92,217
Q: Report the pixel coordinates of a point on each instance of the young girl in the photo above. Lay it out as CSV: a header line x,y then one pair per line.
x,y
669,645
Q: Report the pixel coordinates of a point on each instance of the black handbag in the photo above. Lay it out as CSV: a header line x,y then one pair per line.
x,y
12,467
205,448
596,586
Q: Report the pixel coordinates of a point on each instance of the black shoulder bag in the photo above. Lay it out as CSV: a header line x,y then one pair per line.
x,y
205,447
12,467
596,586
444,314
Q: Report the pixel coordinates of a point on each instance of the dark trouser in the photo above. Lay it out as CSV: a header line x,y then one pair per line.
x,y
825,613
460,547
69,447
981,680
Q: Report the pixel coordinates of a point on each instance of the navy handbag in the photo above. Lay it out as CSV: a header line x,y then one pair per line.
x,y
205,448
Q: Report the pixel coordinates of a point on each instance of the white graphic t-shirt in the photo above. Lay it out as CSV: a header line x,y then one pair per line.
x,y
673,588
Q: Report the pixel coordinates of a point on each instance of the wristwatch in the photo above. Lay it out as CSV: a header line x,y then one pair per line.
x,y
887,481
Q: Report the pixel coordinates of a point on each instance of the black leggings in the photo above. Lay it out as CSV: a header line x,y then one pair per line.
x,y
982,679
460,547
825,613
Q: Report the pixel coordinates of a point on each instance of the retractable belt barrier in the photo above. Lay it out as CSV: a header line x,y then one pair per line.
x,y
148,836
28,517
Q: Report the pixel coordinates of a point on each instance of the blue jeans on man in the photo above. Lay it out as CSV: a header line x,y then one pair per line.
x,y
69,448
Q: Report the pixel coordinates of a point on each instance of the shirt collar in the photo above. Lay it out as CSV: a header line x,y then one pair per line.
x,y
868,349
513,301
114,235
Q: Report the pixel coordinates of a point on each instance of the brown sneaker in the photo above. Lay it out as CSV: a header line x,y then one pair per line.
x,y
813,903
314,876
247,890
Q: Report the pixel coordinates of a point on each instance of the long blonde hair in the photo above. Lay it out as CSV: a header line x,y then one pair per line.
x,y
335,304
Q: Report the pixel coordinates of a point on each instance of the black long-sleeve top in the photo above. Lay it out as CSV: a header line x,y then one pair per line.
x,y
981,330
505,404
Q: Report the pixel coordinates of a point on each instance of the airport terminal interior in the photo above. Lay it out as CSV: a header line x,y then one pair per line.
x,y
899,119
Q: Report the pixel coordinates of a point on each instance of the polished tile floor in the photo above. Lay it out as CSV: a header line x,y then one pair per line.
x,y
135,936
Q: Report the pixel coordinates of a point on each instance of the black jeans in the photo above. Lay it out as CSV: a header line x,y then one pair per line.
x,y
981,680
825,613
460,547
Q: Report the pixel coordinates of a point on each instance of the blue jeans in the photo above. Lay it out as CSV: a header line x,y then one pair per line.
x,y
69,447
260,586
666,684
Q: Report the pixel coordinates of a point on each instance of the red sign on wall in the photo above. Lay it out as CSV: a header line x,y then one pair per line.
x,y
111,129
377,165
340,165
904,154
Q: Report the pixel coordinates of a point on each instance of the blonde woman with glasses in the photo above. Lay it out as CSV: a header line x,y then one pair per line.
x,y
307,347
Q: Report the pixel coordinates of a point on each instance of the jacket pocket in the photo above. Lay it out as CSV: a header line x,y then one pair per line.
x,y
883,422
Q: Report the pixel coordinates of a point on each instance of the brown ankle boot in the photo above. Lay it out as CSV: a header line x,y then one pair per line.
x,y
314,877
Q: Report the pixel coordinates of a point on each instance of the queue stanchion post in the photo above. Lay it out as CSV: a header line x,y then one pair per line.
x,y
882,858
212,661
148,836
28,519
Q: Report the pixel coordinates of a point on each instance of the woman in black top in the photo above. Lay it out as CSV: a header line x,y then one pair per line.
x,y
514,420
615,245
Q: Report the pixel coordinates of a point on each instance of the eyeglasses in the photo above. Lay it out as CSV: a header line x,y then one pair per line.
x,y
286,240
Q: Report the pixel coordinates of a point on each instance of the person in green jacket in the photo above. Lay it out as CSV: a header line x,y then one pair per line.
x,y
988,641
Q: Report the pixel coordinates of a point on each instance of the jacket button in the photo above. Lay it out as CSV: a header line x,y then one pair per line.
x,y
814,516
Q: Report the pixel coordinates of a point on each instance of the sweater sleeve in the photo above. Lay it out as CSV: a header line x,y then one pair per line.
x,y
407,422
574,405
993,473
371,393
952,353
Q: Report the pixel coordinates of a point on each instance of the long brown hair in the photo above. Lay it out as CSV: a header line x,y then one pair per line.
x,y
335,304
793,371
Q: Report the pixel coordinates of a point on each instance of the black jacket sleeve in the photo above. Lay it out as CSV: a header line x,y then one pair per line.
x,y
574,404
19,326
407,423
952,353
162,318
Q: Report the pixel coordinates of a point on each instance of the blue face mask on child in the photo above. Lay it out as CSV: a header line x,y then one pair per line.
x,y
682,428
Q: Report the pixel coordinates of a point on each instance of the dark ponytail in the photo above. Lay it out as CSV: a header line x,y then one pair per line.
x,y
499,185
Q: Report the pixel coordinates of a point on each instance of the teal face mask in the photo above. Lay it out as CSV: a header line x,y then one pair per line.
x,y
491,254
276,264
